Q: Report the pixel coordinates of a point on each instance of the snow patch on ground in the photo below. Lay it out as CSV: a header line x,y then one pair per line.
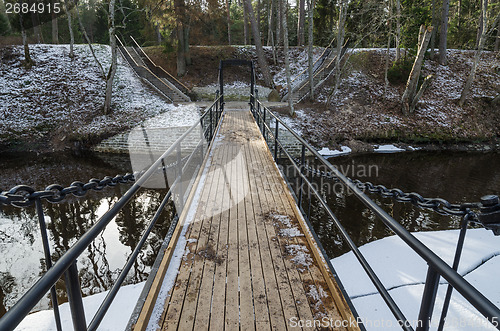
x,y
300,256
235,90
116,318
325,151
403,272
285,225
387,149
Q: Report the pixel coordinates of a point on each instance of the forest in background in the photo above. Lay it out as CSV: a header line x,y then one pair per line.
x,y
417,26
368,23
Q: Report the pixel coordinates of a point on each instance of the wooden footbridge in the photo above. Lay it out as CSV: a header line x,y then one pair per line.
x,y
250,262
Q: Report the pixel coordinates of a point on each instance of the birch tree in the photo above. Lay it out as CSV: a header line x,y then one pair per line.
x,y
264,67
410,95
477,54
112,69
287,58
444,32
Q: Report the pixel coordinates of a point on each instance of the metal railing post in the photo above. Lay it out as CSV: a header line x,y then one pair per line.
x,y
276,141
75,297
211,123
179,173
428,299
456,261
302,161
263,119
48,260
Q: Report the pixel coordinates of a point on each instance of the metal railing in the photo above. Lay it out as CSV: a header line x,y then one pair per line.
x,y
304,74
159,70
490,212
66,265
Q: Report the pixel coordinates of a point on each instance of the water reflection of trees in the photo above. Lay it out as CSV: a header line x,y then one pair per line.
x,y
68,221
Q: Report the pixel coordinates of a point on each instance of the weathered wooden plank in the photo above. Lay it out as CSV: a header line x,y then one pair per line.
x,y
238,275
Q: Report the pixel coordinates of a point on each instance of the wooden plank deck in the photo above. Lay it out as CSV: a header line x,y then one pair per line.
x,y
250,261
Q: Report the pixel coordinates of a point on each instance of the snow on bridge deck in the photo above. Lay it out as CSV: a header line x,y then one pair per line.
x,y
250,262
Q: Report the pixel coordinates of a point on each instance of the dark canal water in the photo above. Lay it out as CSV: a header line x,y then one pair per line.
x,y
22,259
457,177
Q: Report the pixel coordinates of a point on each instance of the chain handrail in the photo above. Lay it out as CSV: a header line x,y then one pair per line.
x,y
24,196
439,205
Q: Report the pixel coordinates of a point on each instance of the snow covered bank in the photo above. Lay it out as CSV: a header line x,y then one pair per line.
x,y
63,98
116,318
403,272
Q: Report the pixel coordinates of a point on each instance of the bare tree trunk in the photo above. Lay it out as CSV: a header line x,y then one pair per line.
x,y
434,31
27,57
37,31
340,42
181,56
279,19
398,29
287,58
425,84
55,27
270,23
312,4
112,69
187,51
179,7
158,34
387,56
408,99
301,23
245,25
264,68
477,55
444,32
497,41
82,28
480,28
70,27
228,13
459,18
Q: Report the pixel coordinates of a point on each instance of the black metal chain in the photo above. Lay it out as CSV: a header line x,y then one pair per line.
x,y
23,195
439,205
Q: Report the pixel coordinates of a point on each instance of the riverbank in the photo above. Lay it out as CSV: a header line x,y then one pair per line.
x,y
57,105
